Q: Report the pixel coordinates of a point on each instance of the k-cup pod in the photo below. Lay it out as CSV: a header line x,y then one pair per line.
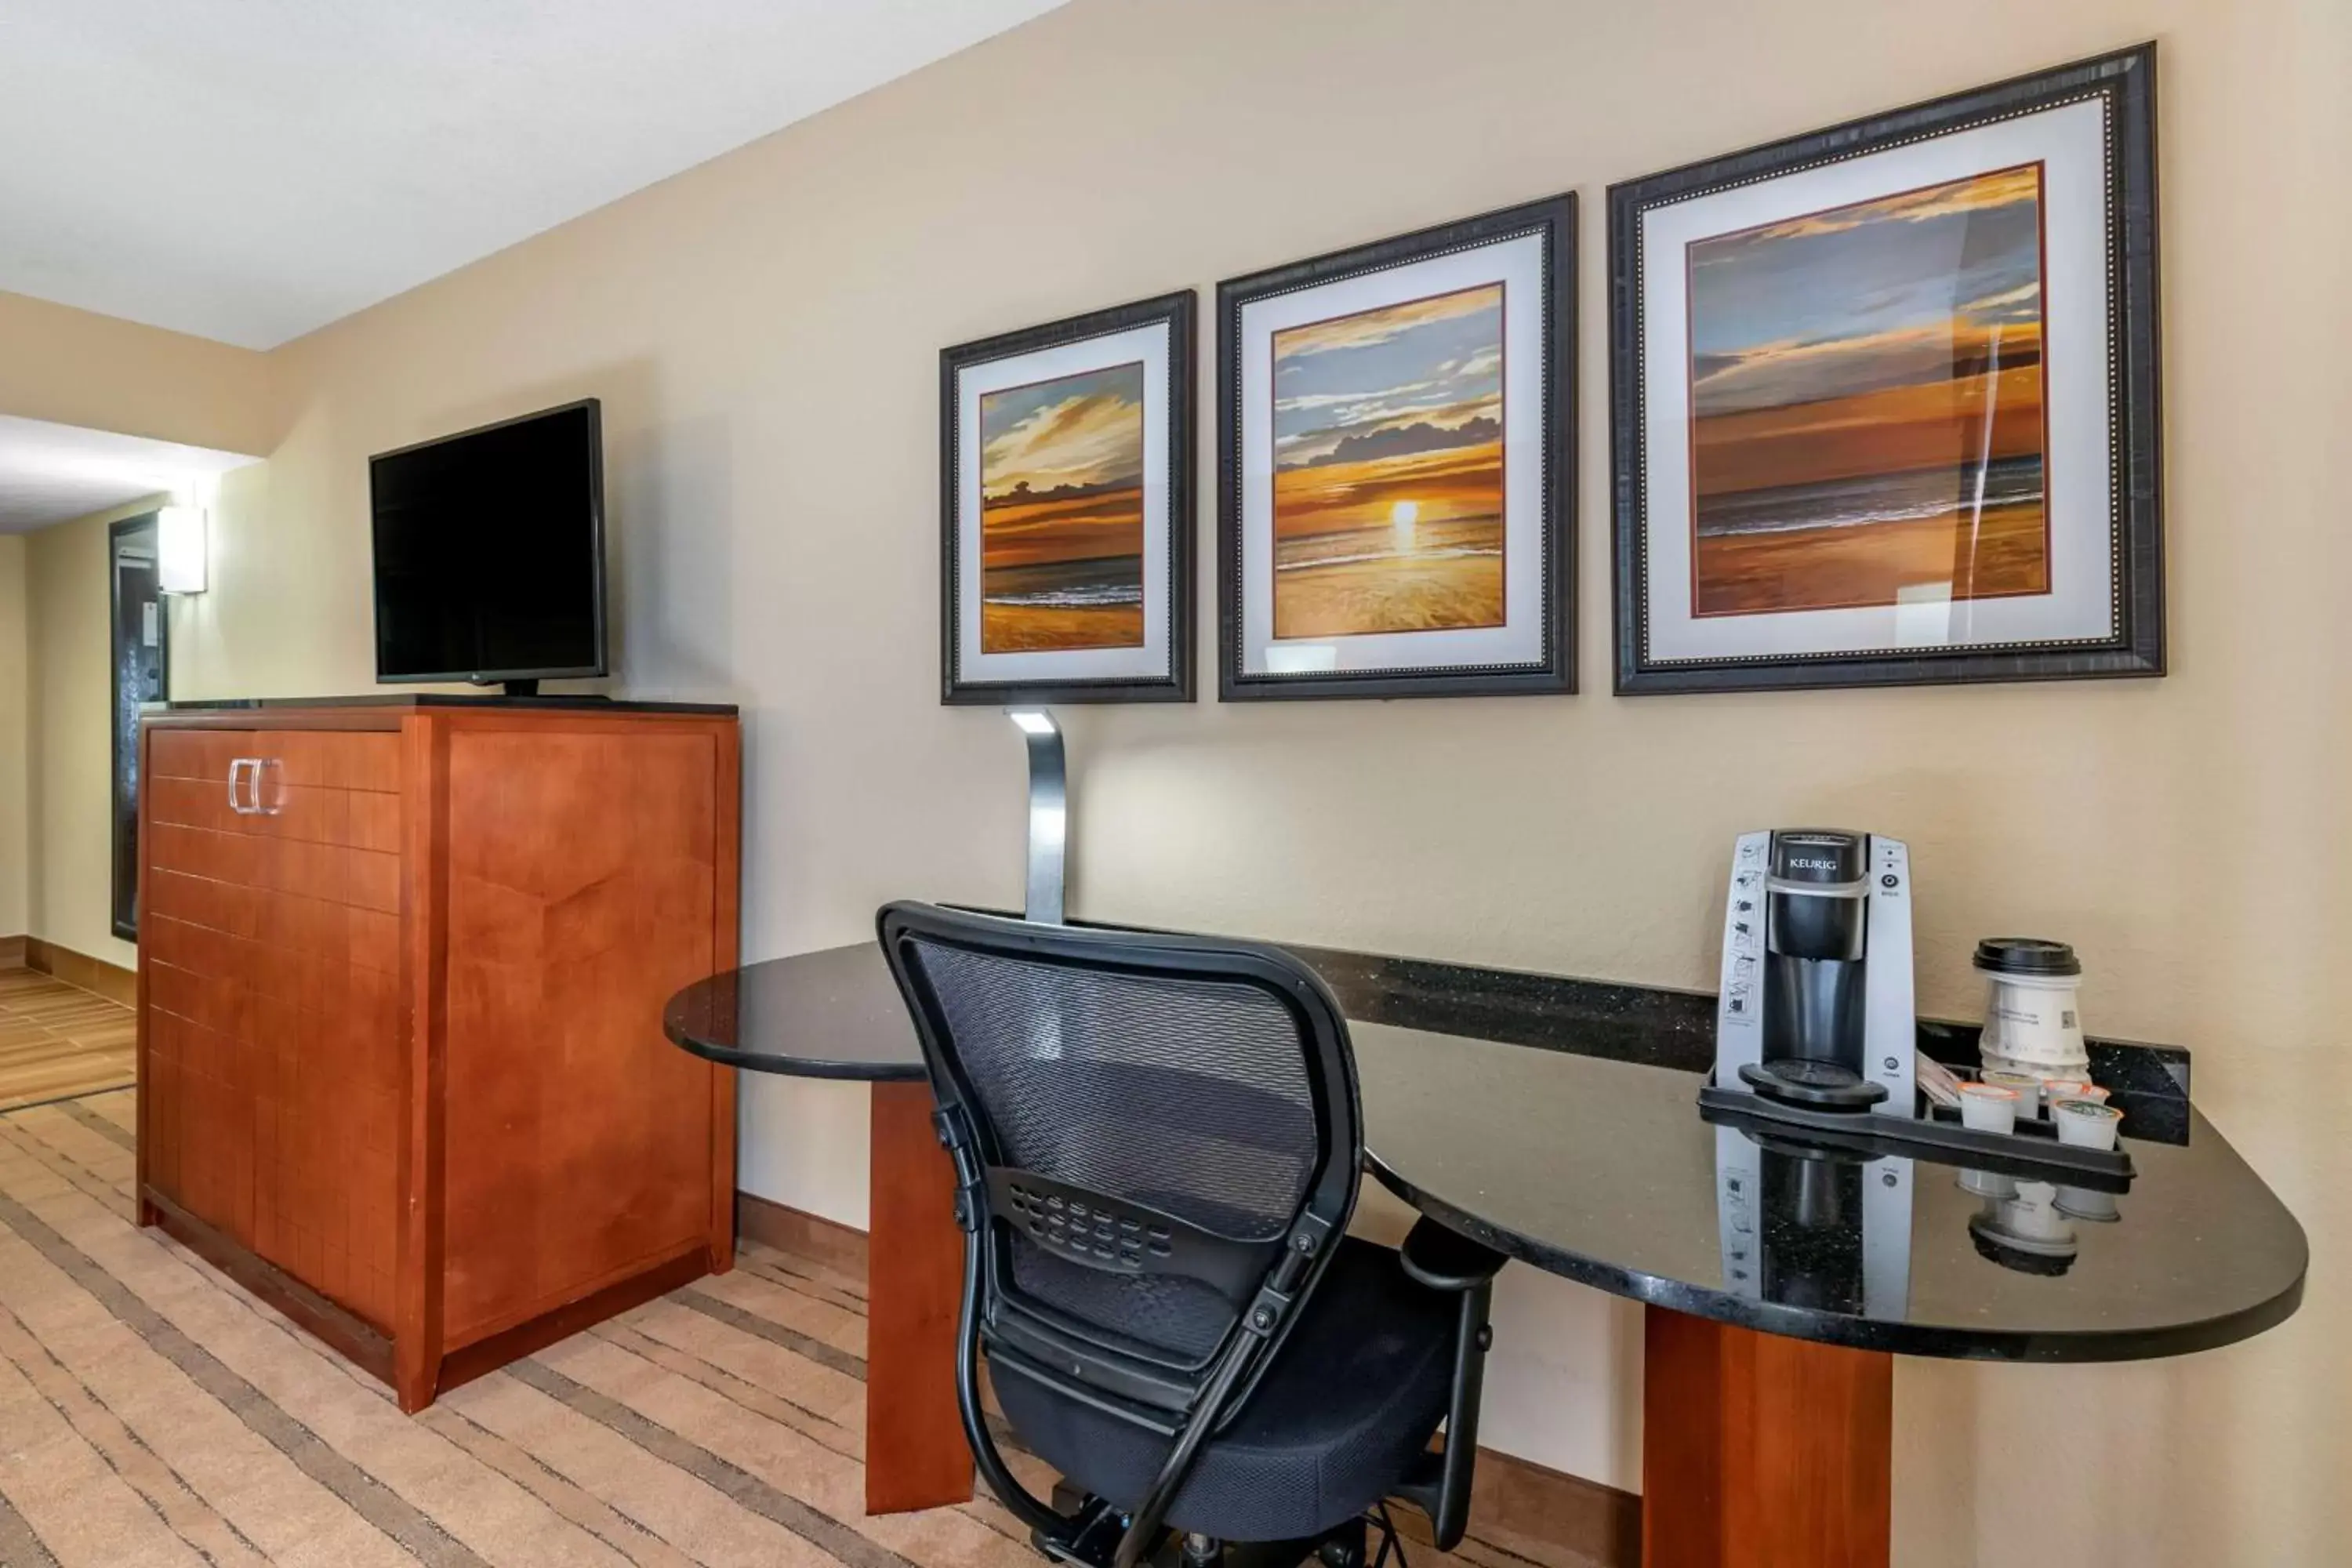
x,y
2054,1089
2025,1085
2082,1202
2086,1123
1988,1183
2032,1014
2030,1220
1988,1108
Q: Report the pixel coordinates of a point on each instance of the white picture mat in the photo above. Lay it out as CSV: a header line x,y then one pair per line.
x,y
1148,344
1518,265
2070,143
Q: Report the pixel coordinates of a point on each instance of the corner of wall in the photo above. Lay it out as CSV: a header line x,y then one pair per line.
x,y
16,738
75,367
67,736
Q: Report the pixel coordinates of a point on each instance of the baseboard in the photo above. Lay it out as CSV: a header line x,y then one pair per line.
x,y
464,1365
1549,1518
12,952
813,1237
96,975
1546,1516
356,1341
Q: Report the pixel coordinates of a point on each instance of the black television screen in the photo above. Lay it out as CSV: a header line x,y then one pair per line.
x,y
490,551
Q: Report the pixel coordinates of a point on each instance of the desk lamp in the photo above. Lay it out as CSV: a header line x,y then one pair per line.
x,y
1048,813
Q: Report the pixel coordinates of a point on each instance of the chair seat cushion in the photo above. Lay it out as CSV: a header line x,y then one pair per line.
x,y
1353,1395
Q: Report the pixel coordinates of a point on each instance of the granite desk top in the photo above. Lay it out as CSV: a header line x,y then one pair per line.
x,y
1563,1130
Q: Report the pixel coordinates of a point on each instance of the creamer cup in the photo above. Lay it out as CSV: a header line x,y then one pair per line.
x,y
2085,1124
2026,1086
1989,1107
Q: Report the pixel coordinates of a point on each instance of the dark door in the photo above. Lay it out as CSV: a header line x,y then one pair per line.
x,y
142,665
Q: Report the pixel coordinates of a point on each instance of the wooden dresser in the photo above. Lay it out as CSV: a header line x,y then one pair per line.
x,y
401,970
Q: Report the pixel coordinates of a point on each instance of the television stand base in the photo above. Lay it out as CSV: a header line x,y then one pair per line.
x,y
521,687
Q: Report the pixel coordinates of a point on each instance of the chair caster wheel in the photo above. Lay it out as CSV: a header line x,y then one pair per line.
x,y
1344,1547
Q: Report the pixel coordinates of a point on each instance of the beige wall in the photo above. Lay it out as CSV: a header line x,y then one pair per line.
x,y
72,749
76,368
763,331
16,740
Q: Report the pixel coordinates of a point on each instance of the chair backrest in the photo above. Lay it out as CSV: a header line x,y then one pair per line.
x,y
1163,1143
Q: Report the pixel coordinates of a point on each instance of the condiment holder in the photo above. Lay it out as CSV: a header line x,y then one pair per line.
x,y
1995,1122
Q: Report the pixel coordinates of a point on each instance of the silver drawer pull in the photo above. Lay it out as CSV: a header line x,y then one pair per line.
x,y
277,803
235,770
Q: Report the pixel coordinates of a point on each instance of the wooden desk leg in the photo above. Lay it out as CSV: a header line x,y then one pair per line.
x,y
1760,1452
915,1456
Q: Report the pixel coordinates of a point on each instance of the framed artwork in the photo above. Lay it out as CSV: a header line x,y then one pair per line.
x,y
1065,510
1396,465
1884,398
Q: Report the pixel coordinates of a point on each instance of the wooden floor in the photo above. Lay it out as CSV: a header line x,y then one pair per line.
x,y
58,1042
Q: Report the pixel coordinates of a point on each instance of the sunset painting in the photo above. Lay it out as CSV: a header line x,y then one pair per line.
x,y
1061,521
1866,402
1388,483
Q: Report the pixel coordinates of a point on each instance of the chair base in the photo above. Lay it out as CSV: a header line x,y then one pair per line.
x,y
1099,1526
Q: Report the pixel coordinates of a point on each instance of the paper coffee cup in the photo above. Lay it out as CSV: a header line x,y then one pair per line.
x,y
2032,1014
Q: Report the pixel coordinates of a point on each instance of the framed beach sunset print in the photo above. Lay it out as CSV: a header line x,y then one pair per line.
x,y
1065,510
1396,452
1884,398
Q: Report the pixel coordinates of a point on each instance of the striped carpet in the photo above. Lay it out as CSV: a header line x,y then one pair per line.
x,y
57,1041
153,1413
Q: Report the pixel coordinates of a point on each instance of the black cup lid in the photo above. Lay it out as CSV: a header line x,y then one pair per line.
x,y
2026,955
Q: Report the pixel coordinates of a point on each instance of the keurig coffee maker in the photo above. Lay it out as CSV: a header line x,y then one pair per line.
x,y
1815,1037
1816,1007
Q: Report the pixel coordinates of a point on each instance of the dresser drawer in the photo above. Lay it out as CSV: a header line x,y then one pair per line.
x,y
262,804
311,814
367,760
201,755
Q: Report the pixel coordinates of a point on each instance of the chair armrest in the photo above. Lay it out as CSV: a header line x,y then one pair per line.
x,y
1443,1259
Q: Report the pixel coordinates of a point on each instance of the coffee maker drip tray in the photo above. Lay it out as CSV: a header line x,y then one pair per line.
x,y
1824,1086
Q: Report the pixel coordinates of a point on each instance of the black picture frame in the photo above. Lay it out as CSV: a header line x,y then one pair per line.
x,y
2127,80
1179,312
1554,218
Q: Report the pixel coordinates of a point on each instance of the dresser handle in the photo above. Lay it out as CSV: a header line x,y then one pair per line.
x,y
277,803
236,767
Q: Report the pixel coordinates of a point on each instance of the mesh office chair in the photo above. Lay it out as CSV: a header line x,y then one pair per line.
x,y
1157,1143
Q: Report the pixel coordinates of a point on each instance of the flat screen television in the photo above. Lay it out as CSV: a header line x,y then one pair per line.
x,y
489,552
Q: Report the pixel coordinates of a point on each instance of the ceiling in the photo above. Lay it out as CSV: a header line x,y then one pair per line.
x,y
51,472
249,170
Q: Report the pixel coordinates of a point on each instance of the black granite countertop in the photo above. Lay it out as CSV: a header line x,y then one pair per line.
x,y
1558,1121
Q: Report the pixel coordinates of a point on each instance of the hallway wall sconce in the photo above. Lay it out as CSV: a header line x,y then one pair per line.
x,y
180,549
